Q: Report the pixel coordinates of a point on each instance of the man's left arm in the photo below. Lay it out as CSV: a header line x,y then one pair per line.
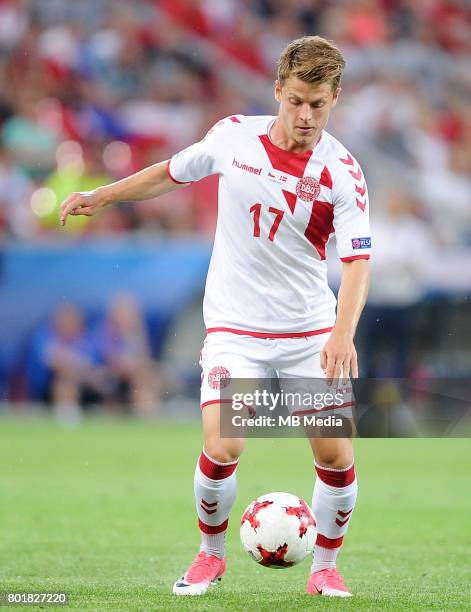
x,y
352,229
339,356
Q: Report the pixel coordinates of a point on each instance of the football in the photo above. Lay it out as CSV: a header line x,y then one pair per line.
x,y
278,530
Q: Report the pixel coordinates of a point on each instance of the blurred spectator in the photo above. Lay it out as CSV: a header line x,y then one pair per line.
x,y
405,248
70,363
29,138
123,345
76,171
16,217
13,23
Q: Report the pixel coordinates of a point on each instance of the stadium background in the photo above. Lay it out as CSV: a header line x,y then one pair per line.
x,y
93,90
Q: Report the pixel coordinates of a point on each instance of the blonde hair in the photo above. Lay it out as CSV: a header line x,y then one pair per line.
x,y
312,59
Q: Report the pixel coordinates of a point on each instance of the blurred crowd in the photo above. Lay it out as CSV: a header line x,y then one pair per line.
x,y
73,362
91,91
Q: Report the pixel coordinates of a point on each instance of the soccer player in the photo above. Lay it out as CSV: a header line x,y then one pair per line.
x,y
285,185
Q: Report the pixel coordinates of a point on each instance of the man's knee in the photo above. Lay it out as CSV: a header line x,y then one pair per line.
x,y
336,462
224,450
336,455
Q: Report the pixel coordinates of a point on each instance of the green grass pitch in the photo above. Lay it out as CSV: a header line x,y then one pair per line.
x,y
106,513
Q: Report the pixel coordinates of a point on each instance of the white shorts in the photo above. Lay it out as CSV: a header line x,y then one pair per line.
x,y
226,356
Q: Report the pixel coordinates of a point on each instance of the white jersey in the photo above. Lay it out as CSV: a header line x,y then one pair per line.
x,y
276,212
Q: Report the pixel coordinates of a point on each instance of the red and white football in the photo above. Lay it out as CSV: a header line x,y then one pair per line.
x,y
278,530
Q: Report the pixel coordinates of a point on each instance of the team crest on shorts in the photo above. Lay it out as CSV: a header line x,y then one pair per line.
x,y
308,189
219,377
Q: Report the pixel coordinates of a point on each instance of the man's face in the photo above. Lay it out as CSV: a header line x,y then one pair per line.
x,y
304,109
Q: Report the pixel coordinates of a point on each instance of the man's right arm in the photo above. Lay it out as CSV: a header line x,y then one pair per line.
x,y
148,183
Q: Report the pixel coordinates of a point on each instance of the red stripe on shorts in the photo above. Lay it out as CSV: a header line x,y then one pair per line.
x,y
266,335
323,409
215,401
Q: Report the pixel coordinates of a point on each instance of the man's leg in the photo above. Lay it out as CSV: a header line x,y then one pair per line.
x,y
334,497
335,490
215,481
215,493
226,359
65,395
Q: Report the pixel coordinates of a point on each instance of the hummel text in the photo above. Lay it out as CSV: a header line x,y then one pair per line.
x,y
245,167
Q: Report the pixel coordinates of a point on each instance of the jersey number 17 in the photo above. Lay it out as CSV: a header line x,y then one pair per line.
x,y
256,210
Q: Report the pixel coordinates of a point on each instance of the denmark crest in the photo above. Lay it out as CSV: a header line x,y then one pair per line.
x,y
308,189
219,377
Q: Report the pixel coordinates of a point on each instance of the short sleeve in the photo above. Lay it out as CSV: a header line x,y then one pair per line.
x,y
351,214
198,160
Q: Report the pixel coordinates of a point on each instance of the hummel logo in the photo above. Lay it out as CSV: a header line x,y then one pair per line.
x,y
246,167
209,507
348,160
356,175
345,515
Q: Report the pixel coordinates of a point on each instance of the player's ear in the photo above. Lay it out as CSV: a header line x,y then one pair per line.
x,y
336,95
277,90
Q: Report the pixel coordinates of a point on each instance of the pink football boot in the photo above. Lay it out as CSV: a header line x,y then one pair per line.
x,y
327,582
204,571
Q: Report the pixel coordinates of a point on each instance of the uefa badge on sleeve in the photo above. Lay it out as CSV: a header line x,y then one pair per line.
x,y
361,243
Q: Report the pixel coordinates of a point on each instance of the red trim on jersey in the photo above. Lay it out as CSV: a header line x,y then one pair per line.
x,y
174,179
325,542
325,178
244,332
336,478
323,409
320,226
215,471
354,257
210,529
234,119
285,161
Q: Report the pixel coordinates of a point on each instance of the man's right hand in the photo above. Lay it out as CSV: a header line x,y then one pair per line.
x,y
86,203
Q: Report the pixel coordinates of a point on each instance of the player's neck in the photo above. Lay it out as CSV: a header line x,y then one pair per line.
x,y
279,138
